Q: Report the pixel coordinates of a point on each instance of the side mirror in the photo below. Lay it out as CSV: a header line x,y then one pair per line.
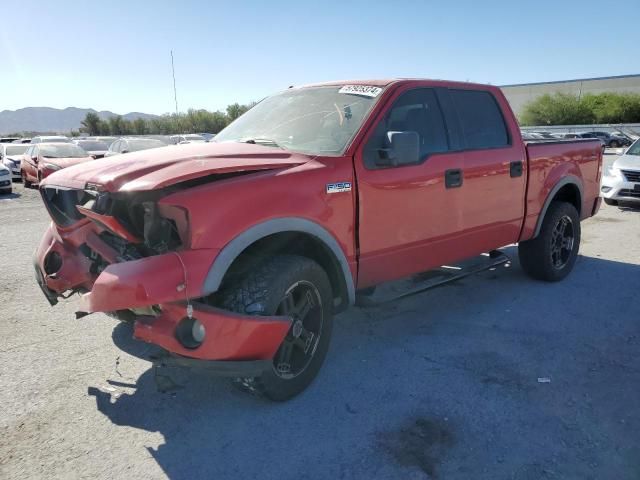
x,y
404,149
34,159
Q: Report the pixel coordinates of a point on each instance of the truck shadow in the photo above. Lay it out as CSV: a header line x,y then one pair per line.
x,y
390,365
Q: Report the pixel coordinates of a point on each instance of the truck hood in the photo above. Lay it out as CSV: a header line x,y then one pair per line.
x,y
628,161
160,167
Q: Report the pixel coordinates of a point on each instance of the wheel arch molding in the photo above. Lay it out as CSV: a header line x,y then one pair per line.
x,y
285,225
569,184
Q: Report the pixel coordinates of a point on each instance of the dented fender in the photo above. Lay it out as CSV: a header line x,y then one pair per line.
x,y
170,277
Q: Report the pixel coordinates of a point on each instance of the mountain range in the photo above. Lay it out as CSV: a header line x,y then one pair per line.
x,y
53,120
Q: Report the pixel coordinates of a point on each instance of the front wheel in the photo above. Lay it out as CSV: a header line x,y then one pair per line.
x,y
25,182
292,286
552,254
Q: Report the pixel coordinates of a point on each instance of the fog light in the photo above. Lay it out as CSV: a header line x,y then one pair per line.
x,y
605,189
190,332
197,331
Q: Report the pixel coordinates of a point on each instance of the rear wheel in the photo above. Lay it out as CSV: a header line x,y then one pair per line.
x,y
611,202
291,286
552,254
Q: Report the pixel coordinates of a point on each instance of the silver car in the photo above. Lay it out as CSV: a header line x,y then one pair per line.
x,y
11,155
621,181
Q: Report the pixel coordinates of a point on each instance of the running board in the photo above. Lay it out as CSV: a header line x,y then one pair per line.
x,y
390,291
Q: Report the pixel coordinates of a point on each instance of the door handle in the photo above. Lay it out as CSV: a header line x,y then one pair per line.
x,y
453,178
515,169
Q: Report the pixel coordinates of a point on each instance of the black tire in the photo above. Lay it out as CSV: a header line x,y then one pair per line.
x,y
609,201
552,254
262,291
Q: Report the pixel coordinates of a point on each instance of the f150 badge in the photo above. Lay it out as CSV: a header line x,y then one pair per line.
x,y
338,187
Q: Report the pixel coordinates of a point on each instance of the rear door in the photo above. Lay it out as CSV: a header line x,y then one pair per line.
x,y
494,171
410,217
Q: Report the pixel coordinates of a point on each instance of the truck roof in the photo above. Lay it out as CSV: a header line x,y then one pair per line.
x,y
389,81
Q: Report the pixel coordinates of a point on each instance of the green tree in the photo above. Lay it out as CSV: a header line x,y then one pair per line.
x,y
139,126
614,107
557,109
91,124
235,110
118,125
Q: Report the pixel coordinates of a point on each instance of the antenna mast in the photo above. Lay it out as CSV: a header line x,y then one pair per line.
x,y
173,72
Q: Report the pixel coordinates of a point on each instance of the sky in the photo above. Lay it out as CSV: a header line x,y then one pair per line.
x,y
115,55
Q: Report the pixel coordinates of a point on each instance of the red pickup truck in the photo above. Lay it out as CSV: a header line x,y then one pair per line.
x,y
236,254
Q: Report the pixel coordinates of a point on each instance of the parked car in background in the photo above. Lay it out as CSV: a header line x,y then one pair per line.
x,y
22,140
621,181
50,139
207,136
6,185
593,136
547,135
613,141
133,144
11,156
529,137
187,138
42,159
8,139
107,140
94,148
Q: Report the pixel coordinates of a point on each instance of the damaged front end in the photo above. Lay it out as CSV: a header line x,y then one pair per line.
x,y
128,254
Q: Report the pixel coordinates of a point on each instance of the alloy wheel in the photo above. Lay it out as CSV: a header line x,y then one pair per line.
x,y
301,302
562,240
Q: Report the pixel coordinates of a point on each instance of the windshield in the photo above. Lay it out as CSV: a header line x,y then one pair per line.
x,y
66,150
16,149
634,149
93,146
315,120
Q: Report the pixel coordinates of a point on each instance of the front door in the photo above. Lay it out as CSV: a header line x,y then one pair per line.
x,y
410,216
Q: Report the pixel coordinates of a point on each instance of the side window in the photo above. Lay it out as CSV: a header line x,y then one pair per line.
x,y
480,119
34,152
414,111
115,146
28,151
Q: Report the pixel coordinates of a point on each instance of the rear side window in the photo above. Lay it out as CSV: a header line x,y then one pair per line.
x,y
414,111
480,119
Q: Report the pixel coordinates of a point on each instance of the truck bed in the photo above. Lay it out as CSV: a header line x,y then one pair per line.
x,y
551,162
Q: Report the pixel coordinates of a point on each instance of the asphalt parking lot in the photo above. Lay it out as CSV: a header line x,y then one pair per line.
x,y
495,376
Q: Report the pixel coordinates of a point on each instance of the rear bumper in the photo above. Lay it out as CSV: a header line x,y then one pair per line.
x,y
160,286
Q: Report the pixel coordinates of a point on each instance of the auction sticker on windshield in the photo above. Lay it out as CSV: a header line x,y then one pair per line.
x,y
366,90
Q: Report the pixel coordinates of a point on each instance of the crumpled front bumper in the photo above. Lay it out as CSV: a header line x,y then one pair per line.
x,y
162,286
